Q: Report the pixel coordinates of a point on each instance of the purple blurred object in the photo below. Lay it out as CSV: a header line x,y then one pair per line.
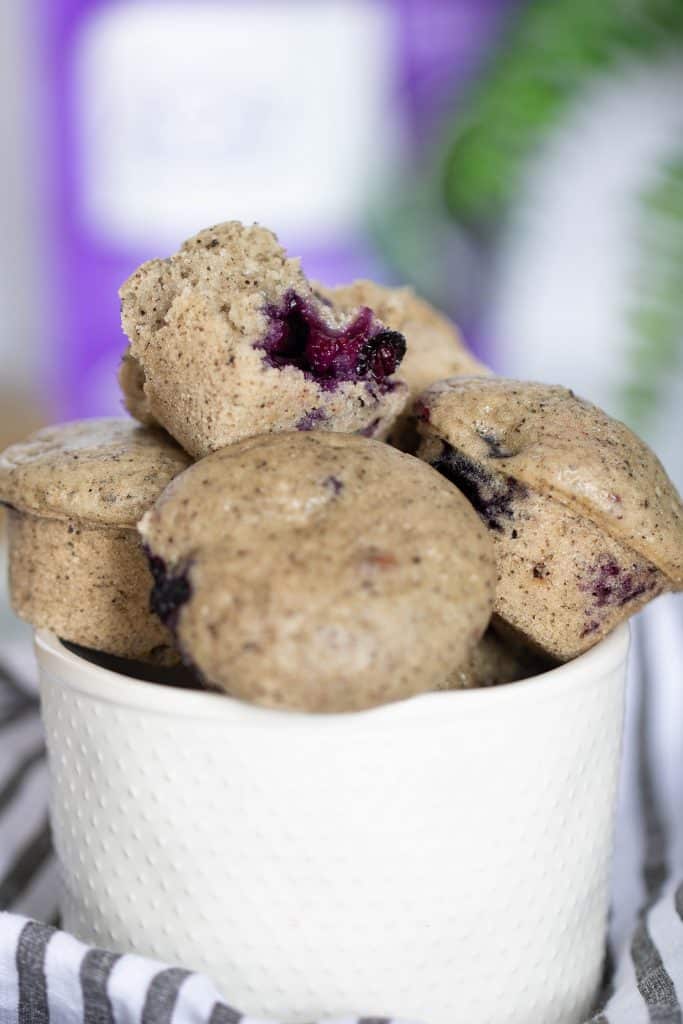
x,y
160,116
441,47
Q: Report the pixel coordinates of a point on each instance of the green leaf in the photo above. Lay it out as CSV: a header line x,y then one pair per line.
x,y
655,318
552,49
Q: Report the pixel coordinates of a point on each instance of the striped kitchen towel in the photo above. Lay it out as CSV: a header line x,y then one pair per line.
x,y
48,977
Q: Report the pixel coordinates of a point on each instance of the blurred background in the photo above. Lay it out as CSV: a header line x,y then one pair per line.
x,y
519,161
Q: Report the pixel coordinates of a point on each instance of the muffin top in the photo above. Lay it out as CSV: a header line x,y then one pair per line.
x,y
208,267
435,349
106,471
548,439
229,340
320,571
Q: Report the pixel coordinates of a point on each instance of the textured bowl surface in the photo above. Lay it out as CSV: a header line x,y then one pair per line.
x,y
444,858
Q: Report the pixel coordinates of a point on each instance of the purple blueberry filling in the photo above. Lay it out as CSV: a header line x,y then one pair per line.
x,y
613,585
363,351
6,504
169,592
311,420
492,496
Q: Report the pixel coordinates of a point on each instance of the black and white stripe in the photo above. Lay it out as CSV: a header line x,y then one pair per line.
x,y
31,976
648,982
48,977
27,865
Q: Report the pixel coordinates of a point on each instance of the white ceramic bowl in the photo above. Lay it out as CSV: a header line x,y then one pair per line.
x,y
444,858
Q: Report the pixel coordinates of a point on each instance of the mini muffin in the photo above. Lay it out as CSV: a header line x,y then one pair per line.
x,y
75,493
319,571
435,349
586,524
498,658
229,340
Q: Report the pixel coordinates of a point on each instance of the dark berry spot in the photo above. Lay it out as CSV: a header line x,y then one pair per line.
x,y
334,484
6,504
493,496
380,354
169,592
311,420
496,449
362,351
540,570
613,585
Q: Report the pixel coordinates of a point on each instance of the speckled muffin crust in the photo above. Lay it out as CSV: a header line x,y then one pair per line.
x,y
319,571
435,349
586,524
75,493
229,340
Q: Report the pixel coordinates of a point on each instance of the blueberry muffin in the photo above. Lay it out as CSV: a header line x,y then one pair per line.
x,y
319,571
586,524
498,658
229,340
435,349
75,493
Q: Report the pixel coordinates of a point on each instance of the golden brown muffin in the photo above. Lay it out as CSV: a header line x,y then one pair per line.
x,y
319,571
229,340
75,493
586,524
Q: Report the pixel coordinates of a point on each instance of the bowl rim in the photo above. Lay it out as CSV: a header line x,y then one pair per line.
x,y
106,685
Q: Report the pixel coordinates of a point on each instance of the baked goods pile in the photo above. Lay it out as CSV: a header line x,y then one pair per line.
x,y
328,503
